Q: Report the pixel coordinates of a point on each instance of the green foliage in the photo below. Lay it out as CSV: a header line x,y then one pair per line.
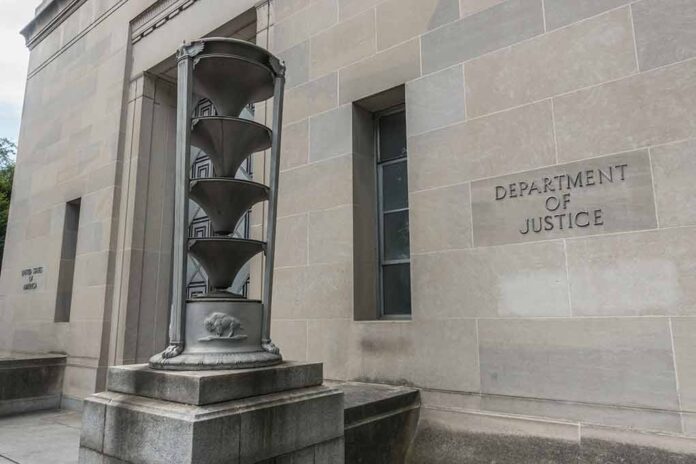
x,y
8,151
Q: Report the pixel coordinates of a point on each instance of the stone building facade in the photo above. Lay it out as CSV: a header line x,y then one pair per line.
x,y
534,273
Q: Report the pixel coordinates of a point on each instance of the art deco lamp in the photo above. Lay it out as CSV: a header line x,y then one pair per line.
x,y
220,329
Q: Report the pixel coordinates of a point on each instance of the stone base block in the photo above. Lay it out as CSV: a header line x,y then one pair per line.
x,y
301,425
207,387
30,382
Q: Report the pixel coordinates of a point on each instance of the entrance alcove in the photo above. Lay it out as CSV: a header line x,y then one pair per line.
x,y
379,421
142,294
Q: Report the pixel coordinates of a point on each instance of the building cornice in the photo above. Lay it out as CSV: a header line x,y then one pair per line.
x,y
49,15
156,16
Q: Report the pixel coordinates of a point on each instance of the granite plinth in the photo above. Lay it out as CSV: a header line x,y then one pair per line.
x,y
30,382
207,387
135,429
209,417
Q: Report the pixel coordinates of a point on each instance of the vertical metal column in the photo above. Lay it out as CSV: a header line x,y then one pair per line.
x,y
181,201
278,90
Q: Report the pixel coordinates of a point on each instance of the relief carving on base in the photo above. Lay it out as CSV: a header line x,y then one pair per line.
x,y
222,327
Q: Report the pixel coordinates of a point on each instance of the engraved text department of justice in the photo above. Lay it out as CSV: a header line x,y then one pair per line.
x,y
559,211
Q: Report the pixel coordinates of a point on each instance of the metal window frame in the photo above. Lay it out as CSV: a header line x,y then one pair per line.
x,y
379,169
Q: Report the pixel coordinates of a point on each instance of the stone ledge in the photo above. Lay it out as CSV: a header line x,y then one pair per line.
x,y
25,405
363,400
30,382
13,360
454,435
208,387
380,422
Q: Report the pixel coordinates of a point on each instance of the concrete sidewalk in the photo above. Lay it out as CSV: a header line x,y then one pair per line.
x,y
48,437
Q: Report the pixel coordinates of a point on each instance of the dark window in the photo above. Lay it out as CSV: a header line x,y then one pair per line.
x,y
392,136
66,269
392,192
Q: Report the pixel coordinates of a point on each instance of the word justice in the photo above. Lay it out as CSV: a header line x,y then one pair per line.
x,y
564,219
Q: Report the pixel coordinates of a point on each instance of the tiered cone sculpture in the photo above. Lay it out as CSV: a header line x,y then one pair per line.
x,y
229,141
226,200
222,330
236,76
222,258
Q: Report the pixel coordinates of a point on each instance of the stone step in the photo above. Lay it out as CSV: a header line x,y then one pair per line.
x,y
446,434
380,421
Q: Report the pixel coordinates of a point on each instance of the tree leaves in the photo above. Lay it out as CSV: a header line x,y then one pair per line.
x,y
8,150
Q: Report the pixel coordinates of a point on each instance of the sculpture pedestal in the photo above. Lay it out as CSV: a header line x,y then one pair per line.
x,y
240,416
206,350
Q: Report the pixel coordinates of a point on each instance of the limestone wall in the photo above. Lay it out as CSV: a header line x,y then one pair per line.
x,y
69,148
591,324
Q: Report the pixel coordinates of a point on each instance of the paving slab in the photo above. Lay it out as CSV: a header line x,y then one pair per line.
x,y
50,437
